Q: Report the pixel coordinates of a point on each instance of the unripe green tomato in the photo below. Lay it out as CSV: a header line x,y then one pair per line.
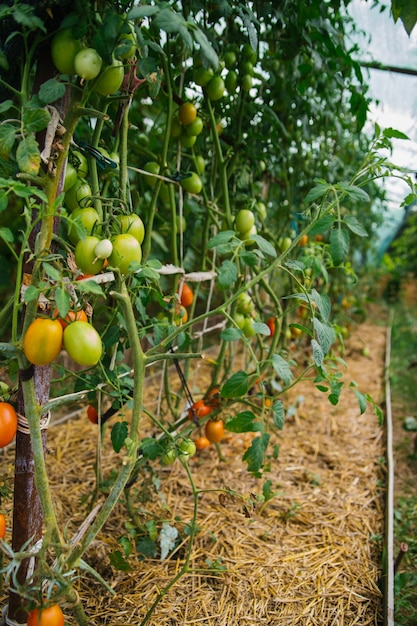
x,y
64,49
202,76
133,225
187,141
126,46
248,53
110,79
244,303
126,250
82,167
247,235
215,88
169,457
164,193
231,81
83,343
195,128
246,67
192,184
88,63
239,318
247,82
248,329
244,221
88,218
70,176
153,168
103,249
261,210
85,255
187,450
285,243
229,59
181,223
200,164
79,195
176,127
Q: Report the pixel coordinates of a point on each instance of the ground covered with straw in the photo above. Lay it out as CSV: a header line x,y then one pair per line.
x,y
310,555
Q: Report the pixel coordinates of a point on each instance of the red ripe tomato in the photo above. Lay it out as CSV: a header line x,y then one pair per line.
x,y
271,325
186,295
49,616
201,443
42,341
212,398
214,430
83,343
92,414
8,423
199,409
72,316
2,526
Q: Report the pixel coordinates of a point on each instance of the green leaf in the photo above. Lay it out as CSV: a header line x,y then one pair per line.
x,y
362,400
24,14
317,192
147,547
51,91
28,156
137,13
90,286
322,225
150,448
324,334
169,21
221,238
264,246
227,274
356,193
118,561
392,133
298,266
323,302
406,11
31,293
62,300
318,354
267,492
4,65
355,226
118,435
278,413
244,422
282,368
261,329
231,334
207,51
339,245
167,539
255,454
7,138
35,120
6,234
236,386
51,271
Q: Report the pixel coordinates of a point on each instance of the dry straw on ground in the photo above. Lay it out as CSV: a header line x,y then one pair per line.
x,y
310,556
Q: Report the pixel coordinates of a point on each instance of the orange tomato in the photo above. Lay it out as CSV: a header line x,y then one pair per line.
x,y
187,113
271,325
49,616
199,409
42,341
186,295
72,316
201,443
3,525
8,423
303,241
213,397
214,430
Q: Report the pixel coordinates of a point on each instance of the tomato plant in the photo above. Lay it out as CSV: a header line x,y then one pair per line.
x,y
132,225
86,221
215,88
83,343
43,341
8,423
192,183
48,616
214,430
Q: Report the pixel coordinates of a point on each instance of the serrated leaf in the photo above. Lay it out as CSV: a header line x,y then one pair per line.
x,y
35,120
324,335
249,258
255,454
119,433
31,294
317,192
51,91
322,225
207,51
278,413
6,234
339,245
227,274
236,386
323,303
298,266
357,193
118,561
28,156
282,369
264,246
62,301
7,139
150,448
169,21
51,271
167,539
221,238
244,422
231,334
90,286
24,14
318,354
355,226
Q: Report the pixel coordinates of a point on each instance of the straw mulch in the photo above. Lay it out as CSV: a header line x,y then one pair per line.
x,y
310,556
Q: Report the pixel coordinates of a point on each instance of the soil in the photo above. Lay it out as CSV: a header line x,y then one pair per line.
x,y
310,555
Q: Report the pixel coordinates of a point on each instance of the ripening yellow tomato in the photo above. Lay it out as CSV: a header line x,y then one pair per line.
x,y
43,341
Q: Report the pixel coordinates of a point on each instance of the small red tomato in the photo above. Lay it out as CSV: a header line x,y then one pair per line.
x,y
271,325
199,409
186,295
201,443
92,414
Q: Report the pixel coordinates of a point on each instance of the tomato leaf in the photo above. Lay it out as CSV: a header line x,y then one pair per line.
x,y
323,302
322,225
357,193
355,226
31,293
244,422
6,234
51,271
50,91
221,238
278,413
167,539
324,335
137,13
62,300
339,245
227,275
264,245
236,387
207,52
231,334
392,133
28,156
89,286
261,329
150,448
119,562
255,454
282,368
7,138
317,192
318,354
118,435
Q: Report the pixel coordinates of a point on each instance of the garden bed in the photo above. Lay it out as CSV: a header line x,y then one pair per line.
x,y
310,555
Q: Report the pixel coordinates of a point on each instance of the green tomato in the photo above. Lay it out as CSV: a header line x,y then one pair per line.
x,y
201,76
88,63
85,255
192,184
229,59
70,176
187,450
187,141
239,319
248,53
284,243
79,195
176,127
169,457
103,249
246,68
126,250
195,128
126,46
153,168
133,225
64,49
248,329
261,210
244,221
82,167
247,235
181,223
244,304
83,343
247,82
200,164
88,219
110,79
215,88
231,81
